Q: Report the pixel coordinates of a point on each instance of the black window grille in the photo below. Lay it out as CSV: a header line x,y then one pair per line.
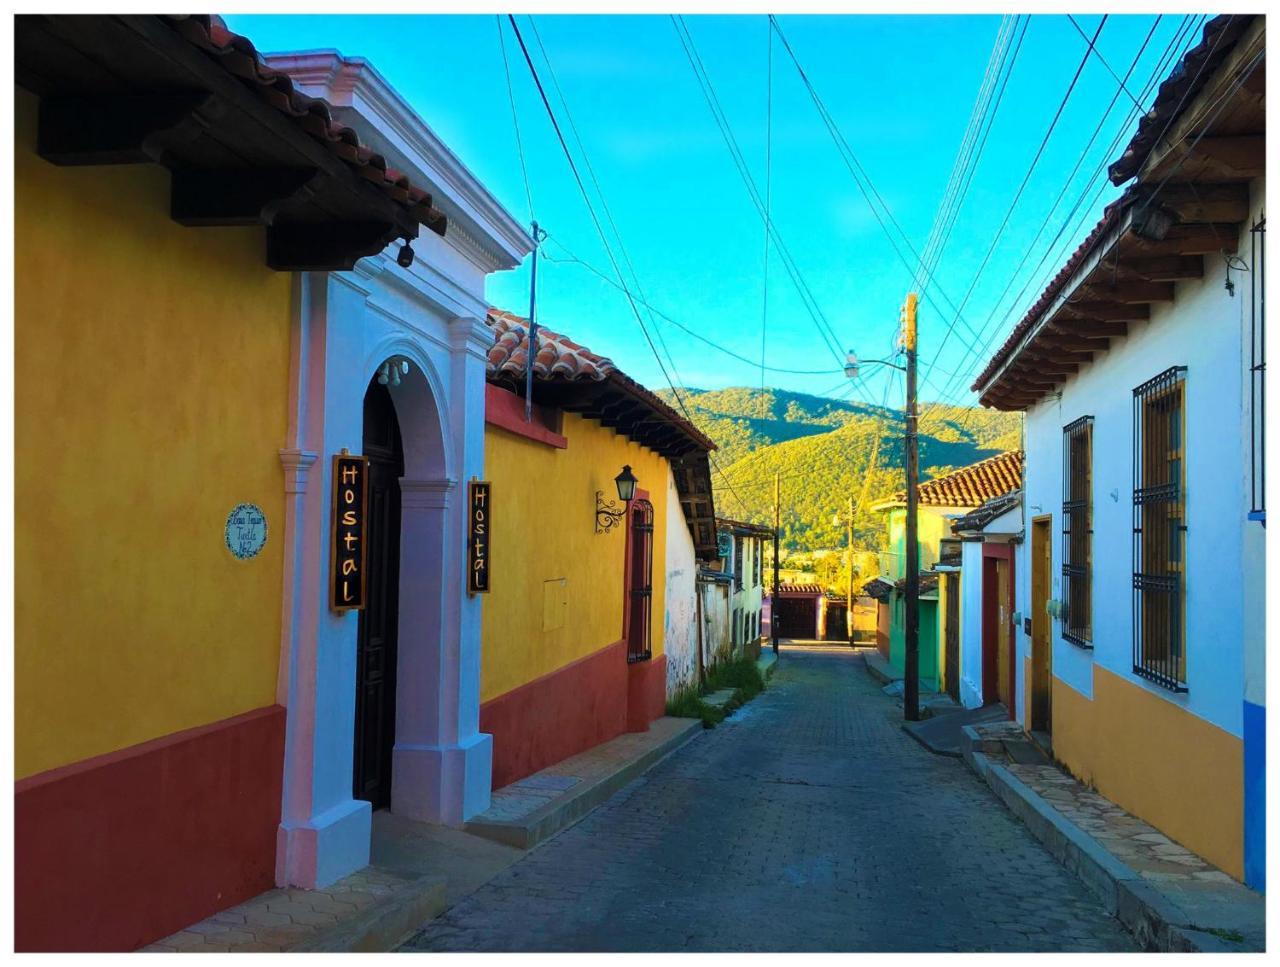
x,y
1257,368
1160,530
737,563
1077,531
757,550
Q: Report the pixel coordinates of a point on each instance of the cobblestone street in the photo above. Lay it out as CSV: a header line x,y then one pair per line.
x,y
807,821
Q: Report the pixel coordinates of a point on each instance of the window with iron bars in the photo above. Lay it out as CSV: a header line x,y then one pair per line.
x,y
1077,532
737,563
1257,368
1160,530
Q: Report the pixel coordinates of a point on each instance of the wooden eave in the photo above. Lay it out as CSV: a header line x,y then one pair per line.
x,y
1124,274
132,90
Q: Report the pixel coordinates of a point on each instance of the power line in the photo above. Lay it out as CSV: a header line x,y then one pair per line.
x,y
768,205
1017,195
1103,61
576,260
1058,200
1170,51
515,121
564,147
860,177
707,87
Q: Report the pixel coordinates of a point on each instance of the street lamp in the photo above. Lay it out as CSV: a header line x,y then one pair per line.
x,y
626,482
608,512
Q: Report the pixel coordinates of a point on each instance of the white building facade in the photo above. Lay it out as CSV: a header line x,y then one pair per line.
x,y
415,334
1140,576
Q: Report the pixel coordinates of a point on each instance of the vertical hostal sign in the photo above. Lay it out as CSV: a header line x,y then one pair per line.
x,y
478,537
347,584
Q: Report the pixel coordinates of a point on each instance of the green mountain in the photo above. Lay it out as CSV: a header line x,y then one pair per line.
x,y
826,451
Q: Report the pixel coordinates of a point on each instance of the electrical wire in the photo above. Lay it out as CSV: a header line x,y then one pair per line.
x,y
605,242
1182,35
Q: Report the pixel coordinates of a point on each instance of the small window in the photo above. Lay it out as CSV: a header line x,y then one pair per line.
x,y
737,563
1160,530
1077,531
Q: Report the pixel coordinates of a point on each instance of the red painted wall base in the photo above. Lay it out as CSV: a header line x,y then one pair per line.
x,y
120,850
589,701
646,693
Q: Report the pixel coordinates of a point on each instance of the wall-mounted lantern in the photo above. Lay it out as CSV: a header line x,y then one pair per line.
x,y
608,512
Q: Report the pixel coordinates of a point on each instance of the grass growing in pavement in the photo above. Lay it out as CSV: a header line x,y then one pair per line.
x,y
739,674
688,704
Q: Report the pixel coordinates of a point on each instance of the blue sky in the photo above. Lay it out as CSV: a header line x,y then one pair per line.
x,y
900,89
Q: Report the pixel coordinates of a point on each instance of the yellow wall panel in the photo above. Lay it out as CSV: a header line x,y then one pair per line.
x,y
1145,754
152,367
544,530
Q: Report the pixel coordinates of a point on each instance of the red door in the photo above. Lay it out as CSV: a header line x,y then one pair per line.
x,y
640,581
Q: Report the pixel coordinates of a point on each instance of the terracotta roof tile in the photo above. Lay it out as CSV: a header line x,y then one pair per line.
x,y
237,56
558,356
1179,89
788,588
1176,93
970,486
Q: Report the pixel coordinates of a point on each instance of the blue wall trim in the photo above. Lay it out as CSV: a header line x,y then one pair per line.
x,y
1255,796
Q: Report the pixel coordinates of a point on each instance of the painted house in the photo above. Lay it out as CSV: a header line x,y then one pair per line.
x,y
742,556
1140,371
798,610
985,620
574,623
212,303
940,501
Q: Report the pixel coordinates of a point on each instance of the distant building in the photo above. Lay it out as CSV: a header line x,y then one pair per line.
x,y
741,549
941,500
1141,371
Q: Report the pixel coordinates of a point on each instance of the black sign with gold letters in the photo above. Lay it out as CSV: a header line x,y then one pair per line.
x,y
347,584
478,531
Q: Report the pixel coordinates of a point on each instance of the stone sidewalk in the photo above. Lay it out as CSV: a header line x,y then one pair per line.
x,y
537,807
352,914
419,869
1168,896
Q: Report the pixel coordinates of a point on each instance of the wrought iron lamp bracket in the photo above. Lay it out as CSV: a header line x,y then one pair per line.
x,y
608,513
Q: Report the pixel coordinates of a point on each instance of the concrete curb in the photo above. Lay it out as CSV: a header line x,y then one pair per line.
x,y
384,925
767,663
881,670
550,819
1145,912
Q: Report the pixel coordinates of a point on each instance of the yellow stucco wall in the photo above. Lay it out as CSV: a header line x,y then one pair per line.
x,y
1145,753
151,374
544,530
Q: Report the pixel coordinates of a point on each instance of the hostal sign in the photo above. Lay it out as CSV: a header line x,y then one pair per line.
x,y
347,584
478,538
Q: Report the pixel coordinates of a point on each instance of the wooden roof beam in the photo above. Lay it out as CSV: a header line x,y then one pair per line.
x,y
1244,155
1088,328
1199,239
1204,203
1166,268
1105,311
1129,293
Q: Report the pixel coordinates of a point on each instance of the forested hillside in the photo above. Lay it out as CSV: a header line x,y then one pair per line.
x,y
827,450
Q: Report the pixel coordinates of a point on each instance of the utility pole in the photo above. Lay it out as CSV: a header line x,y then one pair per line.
x,y
777,524
538,235
848,607
911,673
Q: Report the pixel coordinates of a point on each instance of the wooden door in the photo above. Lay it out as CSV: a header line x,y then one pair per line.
x,y
1041,639
379,621
640,577
951,643
1004,640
